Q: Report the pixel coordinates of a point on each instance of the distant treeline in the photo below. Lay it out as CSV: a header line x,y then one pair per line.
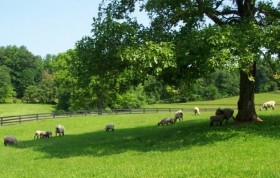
x,y
54,79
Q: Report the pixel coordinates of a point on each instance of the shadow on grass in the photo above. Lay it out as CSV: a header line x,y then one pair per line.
x,y
182,135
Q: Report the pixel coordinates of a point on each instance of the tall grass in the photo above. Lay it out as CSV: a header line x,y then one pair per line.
x,y
140,148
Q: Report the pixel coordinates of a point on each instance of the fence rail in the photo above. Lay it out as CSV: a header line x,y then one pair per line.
x,y
7,120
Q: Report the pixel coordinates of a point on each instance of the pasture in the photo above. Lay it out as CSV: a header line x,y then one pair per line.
x,y
140,148
21,108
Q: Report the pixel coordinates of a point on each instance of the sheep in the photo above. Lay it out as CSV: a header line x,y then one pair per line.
x,y
42,134
269,104
196,111
166,121
109,127
47,134
10,140
178,115
217,118
227,112
39,134
59,129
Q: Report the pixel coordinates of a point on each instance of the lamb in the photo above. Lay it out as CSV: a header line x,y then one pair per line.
x,y
47,134
217,118
109,127
39,134
178,115
269,104
166,121
10,140
227,112
196,111
59,129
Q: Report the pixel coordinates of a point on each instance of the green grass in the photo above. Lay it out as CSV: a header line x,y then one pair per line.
x,y
21,109
139,148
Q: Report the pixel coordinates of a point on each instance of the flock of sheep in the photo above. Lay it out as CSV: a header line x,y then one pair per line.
x,y
219,117
59,129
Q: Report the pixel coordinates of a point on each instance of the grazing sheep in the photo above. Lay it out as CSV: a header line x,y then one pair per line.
x,y
10,140
269,104
39,134
59,129
217,118
227,112
42,134
47,134
110,127
178,115
166,121
196,111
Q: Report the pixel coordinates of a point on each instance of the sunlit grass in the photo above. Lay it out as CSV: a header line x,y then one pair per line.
x,y
22,108
139,148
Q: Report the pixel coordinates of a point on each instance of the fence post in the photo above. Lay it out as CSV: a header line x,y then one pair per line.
x,y
37,117
157,110
19,119
144,110
1,121
53,114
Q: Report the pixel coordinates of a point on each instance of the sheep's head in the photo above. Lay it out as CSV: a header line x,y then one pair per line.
x,y
219,111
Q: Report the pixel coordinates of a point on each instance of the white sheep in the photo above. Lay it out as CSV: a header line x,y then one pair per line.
x,y
59,129
178,115
10,140
196,111
42,134
109,127
39,134
269,104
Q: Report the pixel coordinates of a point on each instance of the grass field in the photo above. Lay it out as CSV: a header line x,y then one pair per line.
x,y
140,148
20,109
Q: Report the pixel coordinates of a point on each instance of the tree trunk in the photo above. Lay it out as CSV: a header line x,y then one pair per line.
x,y
246,102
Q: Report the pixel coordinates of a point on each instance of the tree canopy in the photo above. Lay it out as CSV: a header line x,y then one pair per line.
x,y
191,50
239,34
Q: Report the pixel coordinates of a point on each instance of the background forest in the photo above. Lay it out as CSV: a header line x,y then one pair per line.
x,y
33,79
181,56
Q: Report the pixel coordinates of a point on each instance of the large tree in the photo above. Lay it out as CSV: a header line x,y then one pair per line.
x,y
231,34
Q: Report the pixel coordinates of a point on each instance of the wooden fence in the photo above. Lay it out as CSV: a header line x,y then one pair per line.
x,y
6,120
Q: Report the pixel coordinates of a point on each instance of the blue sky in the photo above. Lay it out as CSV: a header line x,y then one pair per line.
x,y
47,26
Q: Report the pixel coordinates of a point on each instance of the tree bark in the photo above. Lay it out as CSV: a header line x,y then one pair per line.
x,y
246,102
